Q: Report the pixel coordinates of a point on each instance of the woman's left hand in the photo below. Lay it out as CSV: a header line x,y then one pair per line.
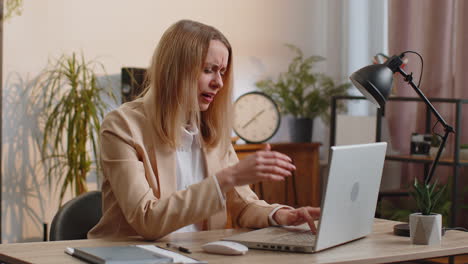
x,y
298,216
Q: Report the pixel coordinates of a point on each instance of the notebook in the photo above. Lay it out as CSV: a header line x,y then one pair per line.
x,y
348,205
134,254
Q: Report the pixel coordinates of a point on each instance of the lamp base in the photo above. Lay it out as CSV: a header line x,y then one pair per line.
x,y
403,230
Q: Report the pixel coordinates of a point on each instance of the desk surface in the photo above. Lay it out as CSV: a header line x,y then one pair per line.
x,y
379,247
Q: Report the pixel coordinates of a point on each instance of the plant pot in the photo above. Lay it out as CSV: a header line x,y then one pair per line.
x,y
300,129
425,229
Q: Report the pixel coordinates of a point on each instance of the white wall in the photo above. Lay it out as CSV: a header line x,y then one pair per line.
x,y
124,33
367,31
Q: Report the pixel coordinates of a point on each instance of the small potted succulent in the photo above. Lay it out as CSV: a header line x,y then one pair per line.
x,y
426,225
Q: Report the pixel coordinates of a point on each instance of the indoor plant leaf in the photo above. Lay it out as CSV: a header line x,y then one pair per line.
x,y
300,91
73,108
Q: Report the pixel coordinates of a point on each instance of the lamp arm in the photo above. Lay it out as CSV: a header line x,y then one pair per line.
x,y
409,79
447,128
437,157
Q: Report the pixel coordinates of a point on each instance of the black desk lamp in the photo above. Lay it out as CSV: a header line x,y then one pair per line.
x,y
375,83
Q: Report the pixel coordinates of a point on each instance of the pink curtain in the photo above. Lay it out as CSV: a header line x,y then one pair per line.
x,y
438,30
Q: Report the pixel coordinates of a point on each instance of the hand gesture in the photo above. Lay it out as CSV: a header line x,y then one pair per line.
x,y
260,166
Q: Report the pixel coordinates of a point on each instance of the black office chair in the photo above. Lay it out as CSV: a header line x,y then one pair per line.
x,y
76,217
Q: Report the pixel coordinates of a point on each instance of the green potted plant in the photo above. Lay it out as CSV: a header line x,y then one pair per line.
x,y
74,104
426,225
303,93
12,8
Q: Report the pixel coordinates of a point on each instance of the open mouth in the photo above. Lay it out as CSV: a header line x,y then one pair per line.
x,y
208,97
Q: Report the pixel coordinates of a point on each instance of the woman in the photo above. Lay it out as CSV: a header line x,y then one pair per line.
x,y
167,159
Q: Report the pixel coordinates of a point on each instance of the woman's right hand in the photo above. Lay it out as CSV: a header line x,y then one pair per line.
x,y
260,166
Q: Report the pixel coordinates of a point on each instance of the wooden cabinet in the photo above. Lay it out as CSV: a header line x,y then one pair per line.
x,y
301,189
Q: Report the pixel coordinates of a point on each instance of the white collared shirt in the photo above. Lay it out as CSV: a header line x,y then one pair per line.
x,y
190,169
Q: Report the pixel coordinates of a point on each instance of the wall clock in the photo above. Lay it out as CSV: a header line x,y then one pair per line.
x,y
256,117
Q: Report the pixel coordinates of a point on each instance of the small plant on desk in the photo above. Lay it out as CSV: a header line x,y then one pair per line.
x,y
427,195
426,226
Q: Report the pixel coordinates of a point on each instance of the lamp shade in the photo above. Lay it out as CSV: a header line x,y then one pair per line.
x,y
374,82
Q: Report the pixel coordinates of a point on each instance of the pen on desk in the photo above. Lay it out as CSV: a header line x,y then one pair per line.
x,y
180,248
70,251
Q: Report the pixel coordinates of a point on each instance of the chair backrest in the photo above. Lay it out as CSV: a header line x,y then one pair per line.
x,y
76,217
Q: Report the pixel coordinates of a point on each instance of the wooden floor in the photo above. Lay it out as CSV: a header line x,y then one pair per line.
x,y
458,260
463,259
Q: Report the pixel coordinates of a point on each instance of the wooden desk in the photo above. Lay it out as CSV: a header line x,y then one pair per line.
x,y
379,247
303,189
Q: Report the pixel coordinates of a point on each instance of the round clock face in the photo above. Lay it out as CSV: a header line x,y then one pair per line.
x,y
256,117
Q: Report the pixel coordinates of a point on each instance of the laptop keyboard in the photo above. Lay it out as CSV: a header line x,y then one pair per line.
x,y
296,237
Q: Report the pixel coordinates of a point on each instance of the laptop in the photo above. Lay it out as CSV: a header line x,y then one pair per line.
x,y
348,205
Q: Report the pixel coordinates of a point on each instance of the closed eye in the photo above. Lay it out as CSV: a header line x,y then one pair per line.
x,y
215,68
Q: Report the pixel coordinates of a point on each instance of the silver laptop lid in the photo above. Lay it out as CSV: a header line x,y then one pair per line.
x,y
350,197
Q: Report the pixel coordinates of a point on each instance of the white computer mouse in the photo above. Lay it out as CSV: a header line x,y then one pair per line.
x,y
225,248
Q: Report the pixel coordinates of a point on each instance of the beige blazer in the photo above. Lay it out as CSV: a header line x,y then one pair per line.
x,y
139,194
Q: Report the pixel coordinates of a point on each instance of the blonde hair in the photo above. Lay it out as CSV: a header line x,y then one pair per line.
x,y
175,69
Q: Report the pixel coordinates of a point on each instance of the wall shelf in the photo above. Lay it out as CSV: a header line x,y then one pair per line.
x,y
424,159
453,160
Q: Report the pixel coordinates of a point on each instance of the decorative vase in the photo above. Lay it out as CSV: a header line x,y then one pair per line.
x,y
425,229
300,129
